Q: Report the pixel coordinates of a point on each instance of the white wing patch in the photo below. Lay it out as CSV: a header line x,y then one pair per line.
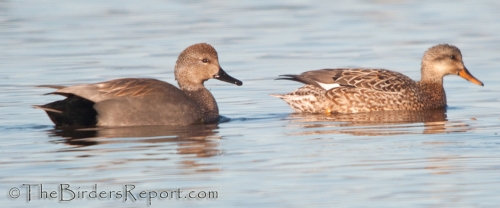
x,y
328,86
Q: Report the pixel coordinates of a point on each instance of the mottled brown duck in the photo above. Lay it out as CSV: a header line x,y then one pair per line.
x,y
142,101
356,90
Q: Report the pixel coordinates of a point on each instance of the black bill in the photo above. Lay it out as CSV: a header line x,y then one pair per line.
x,y
223,76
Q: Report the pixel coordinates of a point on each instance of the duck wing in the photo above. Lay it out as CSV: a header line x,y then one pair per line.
x,y
128,87
375,79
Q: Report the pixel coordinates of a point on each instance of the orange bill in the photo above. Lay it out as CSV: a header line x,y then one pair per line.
x,y
466,75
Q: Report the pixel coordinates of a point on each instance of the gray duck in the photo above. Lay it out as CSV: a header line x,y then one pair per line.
x,y
143,101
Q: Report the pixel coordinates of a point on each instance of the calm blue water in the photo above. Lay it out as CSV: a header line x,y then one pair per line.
x,y
264,155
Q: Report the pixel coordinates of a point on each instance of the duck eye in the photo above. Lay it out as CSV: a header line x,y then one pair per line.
x,y
452,57
205,60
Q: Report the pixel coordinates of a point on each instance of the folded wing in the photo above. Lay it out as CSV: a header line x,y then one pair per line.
x,y
375,79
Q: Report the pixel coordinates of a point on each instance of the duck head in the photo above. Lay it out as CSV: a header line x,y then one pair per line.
x,y
441,60
198,63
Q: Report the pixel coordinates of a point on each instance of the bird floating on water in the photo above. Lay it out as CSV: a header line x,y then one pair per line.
x,y
141,101
356,90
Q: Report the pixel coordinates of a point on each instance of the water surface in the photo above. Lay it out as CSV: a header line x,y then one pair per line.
x,y
263,154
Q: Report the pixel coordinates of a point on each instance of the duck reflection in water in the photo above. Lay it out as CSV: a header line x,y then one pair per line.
x,y
377,123
197,140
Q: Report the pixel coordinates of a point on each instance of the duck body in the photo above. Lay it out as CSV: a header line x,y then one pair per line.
x,y
144,101
361,90
356,90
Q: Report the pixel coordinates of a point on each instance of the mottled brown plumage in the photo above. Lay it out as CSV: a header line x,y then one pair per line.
x,y
365,90
141,101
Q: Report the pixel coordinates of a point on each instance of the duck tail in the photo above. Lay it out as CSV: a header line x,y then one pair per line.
x,y
72,111
292,77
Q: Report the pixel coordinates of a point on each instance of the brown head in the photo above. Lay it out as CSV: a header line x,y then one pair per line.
x,y
441,60
198,63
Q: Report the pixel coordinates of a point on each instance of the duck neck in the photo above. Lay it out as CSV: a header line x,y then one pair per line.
x,y
188,85
431,74
431,85
206,101
433,94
